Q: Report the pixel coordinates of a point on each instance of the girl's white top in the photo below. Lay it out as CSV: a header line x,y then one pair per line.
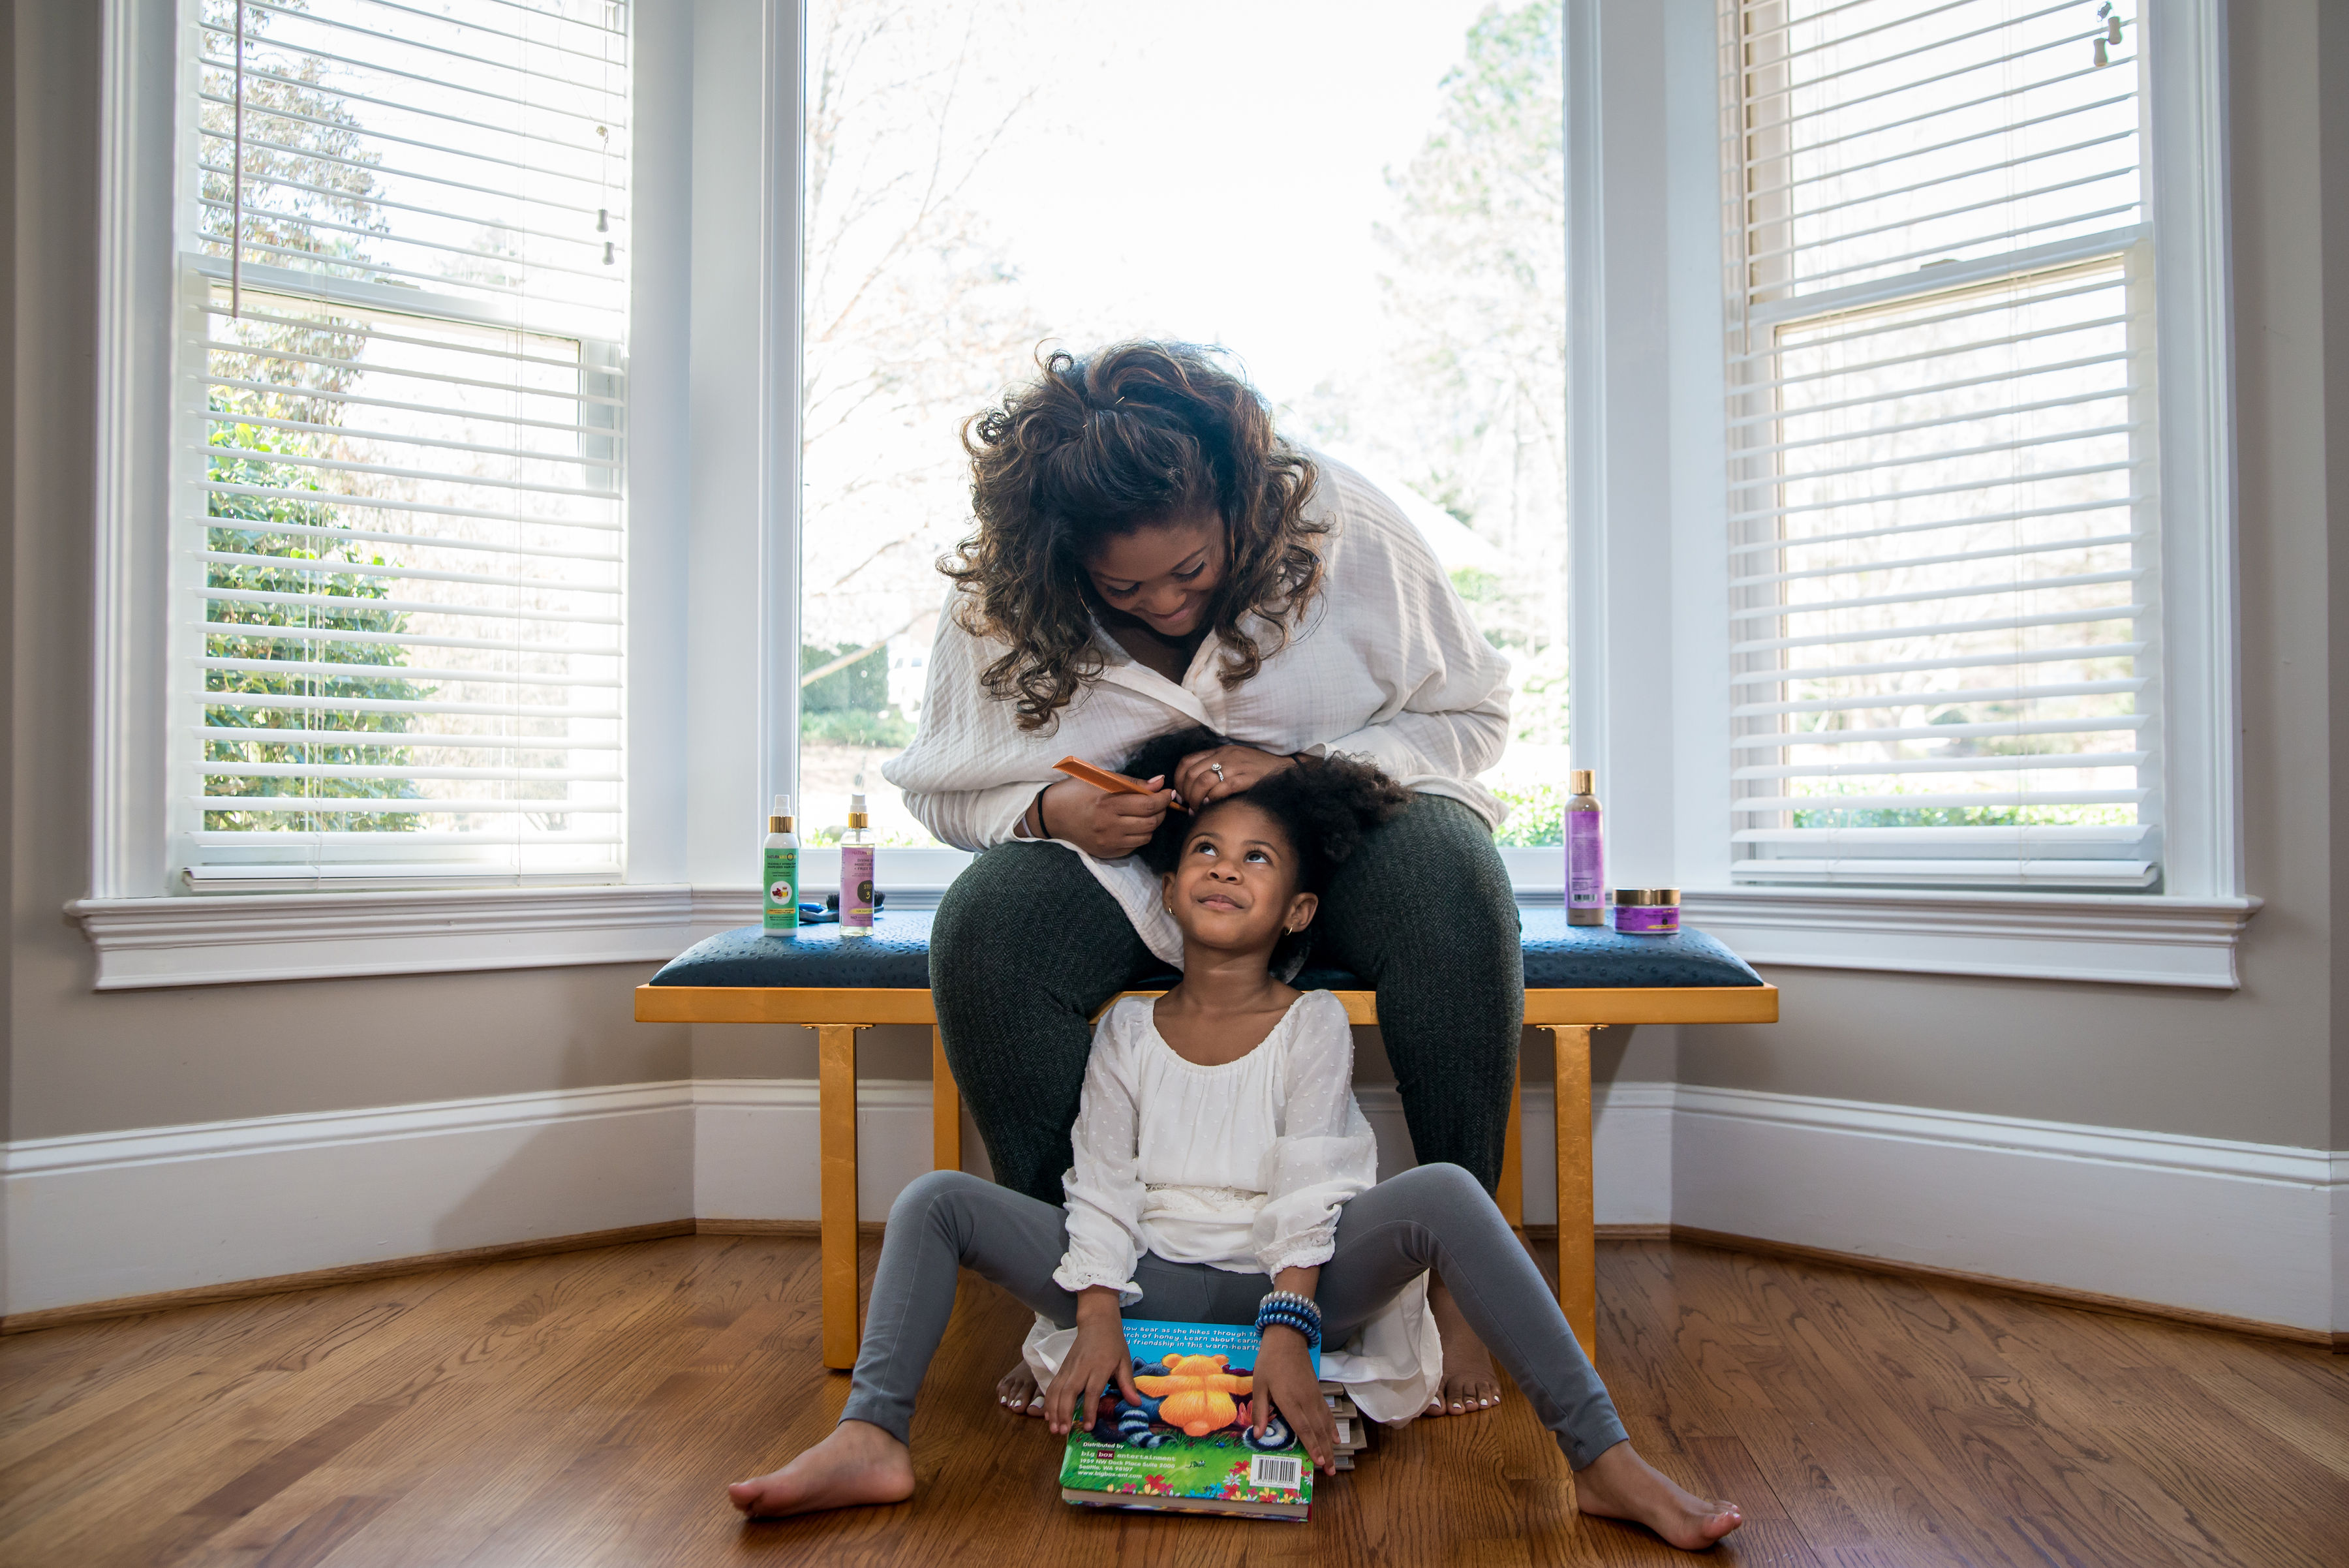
x,y
1387,664
1241,1166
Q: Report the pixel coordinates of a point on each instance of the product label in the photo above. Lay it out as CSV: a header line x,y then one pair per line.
x,y
1586,861
783,901
1647,919
856,884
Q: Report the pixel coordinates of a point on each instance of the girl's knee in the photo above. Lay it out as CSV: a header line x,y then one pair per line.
x,y
1443,1180
928,1192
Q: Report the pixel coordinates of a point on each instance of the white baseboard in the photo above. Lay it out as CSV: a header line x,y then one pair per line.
x,y
2249,1231
126,1214
2237,1228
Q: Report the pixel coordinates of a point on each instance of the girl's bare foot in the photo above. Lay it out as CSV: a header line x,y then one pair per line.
x,y
1015,1390
1469,1382
1619,1484
859,1463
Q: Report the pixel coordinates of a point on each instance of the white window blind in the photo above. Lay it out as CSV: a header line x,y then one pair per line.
x,y
399,530
1944,605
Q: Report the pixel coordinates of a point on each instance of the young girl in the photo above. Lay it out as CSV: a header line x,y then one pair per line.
x,y
1223,1174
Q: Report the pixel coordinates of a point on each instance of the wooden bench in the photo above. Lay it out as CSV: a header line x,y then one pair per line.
x,y
838,986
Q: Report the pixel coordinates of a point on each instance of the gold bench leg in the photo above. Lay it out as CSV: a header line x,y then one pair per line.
x,y
946,1107
1578,1217
1511,1194
843,1310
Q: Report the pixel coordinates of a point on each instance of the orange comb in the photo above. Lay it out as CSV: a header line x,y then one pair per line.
x,y
1102,778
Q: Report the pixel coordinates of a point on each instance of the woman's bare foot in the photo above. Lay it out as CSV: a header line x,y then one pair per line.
x,y
1619,1484
1469,1382
1015,1390
858,1464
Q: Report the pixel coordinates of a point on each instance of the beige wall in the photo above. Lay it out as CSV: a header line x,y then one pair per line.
x,y
2333,145
2269,1063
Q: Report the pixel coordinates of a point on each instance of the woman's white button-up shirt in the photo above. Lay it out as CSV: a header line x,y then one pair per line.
x,y
1386,665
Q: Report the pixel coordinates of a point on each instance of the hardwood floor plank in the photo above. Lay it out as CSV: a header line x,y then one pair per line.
x,y
2058,1499
1828,1387
281,1470
2321,1441
310,1543
2208,1472
1784,1402
587,1410
1769,1534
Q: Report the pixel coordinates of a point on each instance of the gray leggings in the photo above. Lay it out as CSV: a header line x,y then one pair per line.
x,y
1431,1217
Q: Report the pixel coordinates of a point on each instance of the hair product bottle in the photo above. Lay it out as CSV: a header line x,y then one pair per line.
x,y
1586,855
781,871
857,872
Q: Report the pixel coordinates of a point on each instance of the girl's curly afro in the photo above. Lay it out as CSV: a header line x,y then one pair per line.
x,y
1324,804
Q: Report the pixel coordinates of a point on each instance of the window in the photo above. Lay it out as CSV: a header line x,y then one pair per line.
x,y
1945,601
1377,236
399,533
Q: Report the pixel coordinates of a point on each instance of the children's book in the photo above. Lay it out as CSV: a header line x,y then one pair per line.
x,y
1191,1445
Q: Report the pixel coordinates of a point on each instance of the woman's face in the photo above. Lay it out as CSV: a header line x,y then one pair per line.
x,y
1235,887
1164,575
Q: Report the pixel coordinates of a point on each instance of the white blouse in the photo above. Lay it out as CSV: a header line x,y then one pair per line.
x,y
1243,1166
1387,665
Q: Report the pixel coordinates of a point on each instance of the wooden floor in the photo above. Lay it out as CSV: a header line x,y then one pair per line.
x,y
586,1408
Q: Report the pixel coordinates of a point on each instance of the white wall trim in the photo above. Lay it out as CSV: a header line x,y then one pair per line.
x,y
92,1152
2115,938
132,354
243,937
2251,1231
2237,1228
145,942
2187,161
2120,1146
237,939
108,1215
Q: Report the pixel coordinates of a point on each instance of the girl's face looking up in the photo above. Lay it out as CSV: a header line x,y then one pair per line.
x,y
1235,887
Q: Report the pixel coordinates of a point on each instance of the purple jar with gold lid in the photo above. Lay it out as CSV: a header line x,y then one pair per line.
x,y
1648,911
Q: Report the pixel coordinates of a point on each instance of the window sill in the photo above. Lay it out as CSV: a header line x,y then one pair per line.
x,y
237,939
2117,938
241,938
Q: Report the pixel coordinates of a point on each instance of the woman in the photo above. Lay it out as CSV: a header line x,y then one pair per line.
x,y
1150,556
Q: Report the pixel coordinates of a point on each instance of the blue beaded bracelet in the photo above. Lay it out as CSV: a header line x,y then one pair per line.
x,y
1289,1310
1303,1325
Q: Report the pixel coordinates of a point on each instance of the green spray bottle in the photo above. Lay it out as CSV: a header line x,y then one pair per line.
x,y
781,871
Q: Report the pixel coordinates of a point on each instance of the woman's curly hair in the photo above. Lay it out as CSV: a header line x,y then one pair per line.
x,y
1097,447
1325,806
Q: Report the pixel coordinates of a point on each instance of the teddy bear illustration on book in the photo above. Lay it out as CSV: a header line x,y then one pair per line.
x,y
1197,1393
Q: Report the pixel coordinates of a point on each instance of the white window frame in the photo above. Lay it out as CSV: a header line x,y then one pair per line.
x,y
713,580
144,931
1647,443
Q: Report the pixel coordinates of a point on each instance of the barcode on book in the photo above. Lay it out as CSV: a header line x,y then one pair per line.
x,y
1274,1470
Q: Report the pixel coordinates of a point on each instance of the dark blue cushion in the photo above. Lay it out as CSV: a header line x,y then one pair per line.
x,y
897,954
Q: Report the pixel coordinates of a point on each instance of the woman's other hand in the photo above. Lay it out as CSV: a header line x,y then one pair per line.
x,y
1285,1382
1104,824
1099,1356
1244,767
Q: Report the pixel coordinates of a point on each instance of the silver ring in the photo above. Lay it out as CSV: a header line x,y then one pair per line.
x,y
1217,768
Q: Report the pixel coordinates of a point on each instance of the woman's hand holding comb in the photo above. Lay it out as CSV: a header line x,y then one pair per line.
x,y
1107,824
